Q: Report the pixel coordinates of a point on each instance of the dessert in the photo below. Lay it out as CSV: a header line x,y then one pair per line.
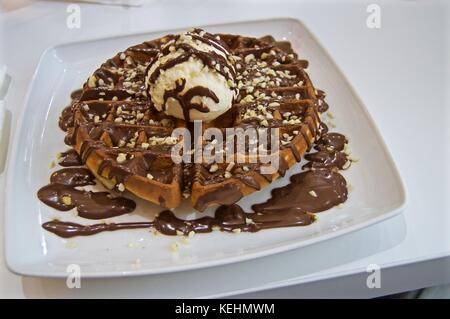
x,y
120,126
123,135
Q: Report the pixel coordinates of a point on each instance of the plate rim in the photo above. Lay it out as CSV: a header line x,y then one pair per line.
x,y
24,269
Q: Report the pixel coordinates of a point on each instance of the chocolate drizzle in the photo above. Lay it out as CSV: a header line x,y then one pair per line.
x,y
185,99
62,195
73,176
67,229
228,194
69,158
210,59
66,119
330,152
322,106
227,218
309,191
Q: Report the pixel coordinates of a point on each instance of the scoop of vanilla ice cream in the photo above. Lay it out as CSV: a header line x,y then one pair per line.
x,y
193,77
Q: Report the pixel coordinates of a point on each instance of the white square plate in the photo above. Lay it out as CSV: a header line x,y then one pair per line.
x,y
378,192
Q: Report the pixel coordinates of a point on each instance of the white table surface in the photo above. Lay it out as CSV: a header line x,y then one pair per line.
x,y
401,72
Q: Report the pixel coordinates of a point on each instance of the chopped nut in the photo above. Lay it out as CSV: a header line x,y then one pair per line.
x,y
174,247
149,176
67,200
121,187
230,167
52,164
312,193
179,233
249,58
191,234
92,81
214,167
227,174
122,157
236,230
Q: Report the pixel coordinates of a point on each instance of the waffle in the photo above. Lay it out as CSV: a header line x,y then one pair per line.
x,y
127,144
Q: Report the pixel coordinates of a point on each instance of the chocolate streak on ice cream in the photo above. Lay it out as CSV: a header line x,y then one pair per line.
x,y
210,59
185,100
62,195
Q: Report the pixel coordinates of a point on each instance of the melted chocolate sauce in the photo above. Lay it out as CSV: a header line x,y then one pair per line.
x,y
227,194
322,106
70,158
309,191
73,176
66,119
330,152
67,229
62,195
227,218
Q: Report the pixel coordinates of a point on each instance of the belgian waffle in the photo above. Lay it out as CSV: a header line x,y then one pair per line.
x,y
127,144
